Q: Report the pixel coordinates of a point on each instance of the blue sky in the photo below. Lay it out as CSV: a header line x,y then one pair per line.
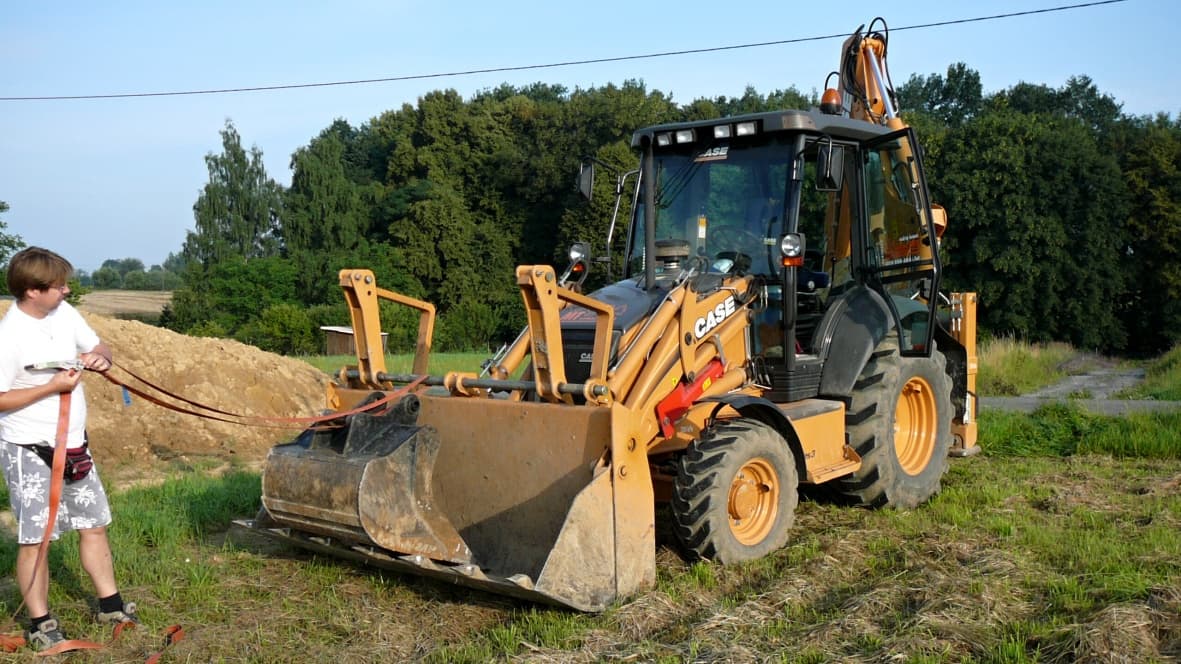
x,y
115,178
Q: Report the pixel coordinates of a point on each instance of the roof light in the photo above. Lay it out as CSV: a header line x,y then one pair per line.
x,y
684,135
664,140
746,128
722,131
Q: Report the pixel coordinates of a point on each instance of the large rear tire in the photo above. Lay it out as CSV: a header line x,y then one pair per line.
x,y
735,495
899,421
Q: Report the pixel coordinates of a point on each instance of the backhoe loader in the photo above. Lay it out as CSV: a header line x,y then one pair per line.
x,y
730,368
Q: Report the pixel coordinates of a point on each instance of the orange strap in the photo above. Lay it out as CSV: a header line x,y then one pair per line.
x,y
254,420
56,477
172,634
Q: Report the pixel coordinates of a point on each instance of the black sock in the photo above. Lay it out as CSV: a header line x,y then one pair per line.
x,y
35,623
109,604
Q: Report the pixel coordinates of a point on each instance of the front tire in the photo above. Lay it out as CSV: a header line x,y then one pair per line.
x,y
735,494
899,421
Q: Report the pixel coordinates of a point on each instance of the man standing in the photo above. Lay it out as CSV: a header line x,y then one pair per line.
x,y
42,328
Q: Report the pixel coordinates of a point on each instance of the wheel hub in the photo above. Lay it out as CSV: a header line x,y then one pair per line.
x,y
915,425
753,501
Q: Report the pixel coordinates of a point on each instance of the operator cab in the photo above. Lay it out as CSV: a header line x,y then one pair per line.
x,y
727,195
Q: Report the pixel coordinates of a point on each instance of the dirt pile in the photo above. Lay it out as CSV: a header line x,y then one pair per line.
x,y
142,437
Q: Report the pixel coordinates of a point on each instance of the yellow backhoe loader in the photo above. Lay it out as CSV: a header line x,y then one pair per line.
x,y
728,369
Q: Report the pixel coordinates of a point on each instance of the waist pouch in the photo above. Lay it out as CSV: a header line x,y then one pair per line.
x,y
78,461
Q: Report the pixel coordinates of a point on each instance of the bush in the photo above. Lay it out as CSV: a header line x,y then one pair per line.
x,y
468,326
208,328
282,328
329,314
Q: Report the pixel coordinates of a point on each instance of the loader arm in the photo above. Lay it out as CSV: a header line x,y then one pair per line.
x,y
362,295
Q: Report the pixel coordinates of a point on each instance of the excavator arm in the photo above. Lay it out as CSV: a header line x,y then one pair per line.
x,y
865,92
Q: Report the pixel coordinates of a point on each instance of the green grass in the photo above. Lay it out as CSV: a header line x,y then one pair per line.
x,y
1062,429
440,363
1162,380
1017,560
1011,368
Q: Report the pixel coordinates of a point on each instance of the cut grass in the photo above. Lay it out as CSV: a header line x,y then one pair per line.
x,y
1020,558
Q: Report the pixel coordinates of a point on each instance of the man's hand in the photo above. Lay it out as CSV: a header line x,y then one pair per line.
x,y
98,359
66,381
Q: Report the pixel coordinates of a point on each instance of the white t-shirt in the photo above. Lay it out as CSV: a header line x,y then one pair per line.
x,y
24,340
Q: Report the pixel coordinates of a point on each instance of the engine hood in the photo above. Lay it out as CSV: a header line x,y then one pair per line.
x,y
630,302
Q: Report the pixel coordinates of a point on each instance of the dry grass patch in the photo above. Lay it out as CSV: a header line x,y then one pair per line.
x,y
117,303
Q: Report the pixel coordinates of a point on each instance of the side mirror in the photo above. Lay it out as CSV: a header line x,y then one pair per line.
x,y
586,180
830,167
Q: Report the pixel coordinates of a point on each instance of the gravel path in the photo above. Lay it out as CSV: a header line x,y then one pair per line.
x,y
1090,391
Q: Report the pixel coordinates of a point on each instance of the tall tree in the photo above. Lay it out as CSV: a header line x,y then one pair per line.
x,y
9,244
1152,169
326,214
1036,204
1079,98
952,100
237,213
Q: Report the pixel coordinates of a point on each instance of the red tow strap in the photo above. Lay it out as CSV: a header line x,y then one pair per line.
x,y
250,420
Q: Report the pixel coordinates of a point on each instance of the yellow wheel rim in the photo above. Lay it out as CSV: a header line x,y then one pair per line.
x,y
753,502
915,426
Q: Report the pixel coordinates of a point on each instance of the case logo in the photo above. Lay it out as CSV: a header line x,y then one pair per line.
x,y
714,318
713,154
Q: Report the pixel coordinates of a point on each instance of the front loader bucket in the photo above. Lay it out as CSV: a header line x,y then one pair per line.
x,y
515,497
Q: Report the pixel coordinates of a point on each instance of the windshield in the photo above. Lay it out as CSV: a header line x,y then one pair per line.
x,y
723,202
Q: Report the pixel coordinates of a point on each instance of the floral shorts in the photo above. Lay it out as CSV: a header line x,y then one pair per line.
x,y
83,503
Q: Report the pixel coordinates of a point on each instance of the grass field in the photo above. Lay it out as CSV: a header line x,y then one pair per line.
x,y
1019,559
139,305
1057,544
440,363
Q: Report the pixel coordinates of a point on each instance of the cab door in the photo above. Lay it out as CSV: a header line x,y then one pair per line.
x,y
900,258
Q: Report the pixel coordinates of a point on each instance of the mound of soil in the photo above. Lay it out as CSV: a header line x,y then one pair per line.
x,y
141,438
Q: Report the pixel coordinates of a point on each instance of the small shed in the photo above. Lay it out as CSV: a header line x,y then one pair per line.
x,y
338,340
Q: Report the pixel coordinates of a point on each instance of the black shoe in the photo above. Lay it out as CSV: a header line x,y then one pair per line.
x,y
45,636
119,616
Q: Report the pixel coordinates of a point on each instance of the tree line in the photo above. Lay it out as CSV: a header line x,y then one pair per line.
x,y
1065,212
441,200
